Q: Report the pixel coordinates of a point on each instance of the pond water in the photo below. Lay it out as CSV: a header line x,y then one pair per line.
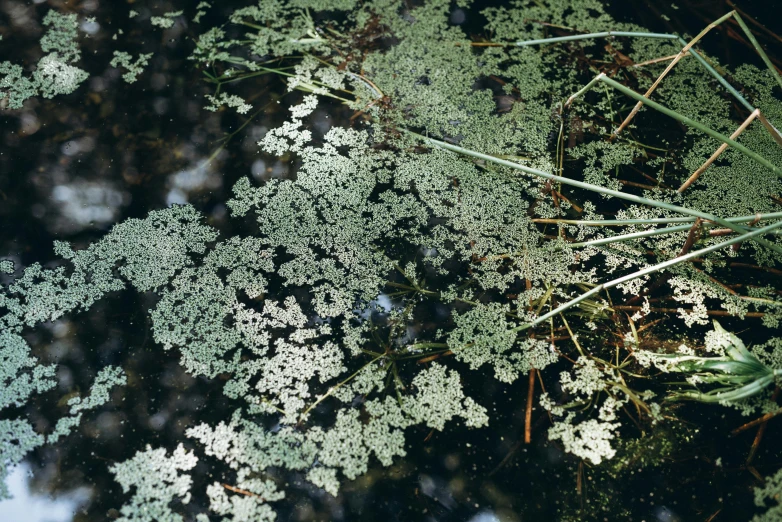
x,y
73,166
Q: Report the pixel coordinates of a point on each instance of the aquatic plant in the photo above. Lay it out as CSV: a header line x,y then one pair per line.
x,y
134,67
770,491
738,371
470,179
54,74
156,479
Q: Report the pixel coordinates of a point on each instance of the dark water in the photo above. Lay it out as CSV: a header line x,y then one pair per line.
x,y
73,166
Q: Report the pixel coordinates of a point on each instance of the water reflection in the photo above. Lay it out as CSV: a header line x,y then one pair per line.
x,y
82,204
29,506
664,514
199,177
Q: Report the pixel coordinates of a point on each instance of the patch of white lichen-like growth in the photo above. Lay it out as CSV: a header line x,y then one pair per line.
x,y
54,74
145,252
439,398
106,379
21,375
156,480
228,100
346,446
484,335
6,266
769,492
17,439
134,67
588,438
238,508
167,20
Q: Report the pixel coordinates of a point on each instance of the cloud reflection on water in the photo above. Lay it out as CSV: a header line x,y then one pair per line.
x,y
27,506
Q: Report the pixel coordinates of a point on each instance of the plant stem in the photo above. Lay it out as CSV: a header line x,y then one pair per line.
x,y
528,413
603,34
648,270
637,235
757,47
622,222
692,123
705,64
668,69
588,186
760,420
711,70
336,387
716,313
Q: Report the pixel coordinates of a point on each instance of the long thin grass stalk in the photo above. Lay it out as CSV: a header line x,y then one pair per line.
x,y
695,175
649,270
636,235
732,90
588,186
670,66
754,22
686,49
602,34
622,222
711,70
757,47
690,122
704,63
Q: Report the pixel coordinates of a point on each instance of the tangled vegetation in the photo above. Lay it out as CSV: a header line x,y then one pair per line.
x,y
494,177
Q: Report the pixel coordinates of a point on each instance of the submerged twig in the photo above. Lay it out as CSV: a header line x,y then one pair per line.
x,y
528,413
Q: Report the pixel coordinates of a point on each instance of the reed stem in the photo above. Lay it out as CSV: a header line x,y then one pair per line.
x,y
588,186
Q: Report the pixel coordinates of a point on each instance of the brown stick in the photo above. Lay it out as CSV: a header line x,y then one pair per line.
x,y
759,420
433,357
636,184
560,196
691,237
718,313
240,491
695,175
656,60
716,282
717,232
756,443
761,431
528,416
676,60
755,473
771,129
768,269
